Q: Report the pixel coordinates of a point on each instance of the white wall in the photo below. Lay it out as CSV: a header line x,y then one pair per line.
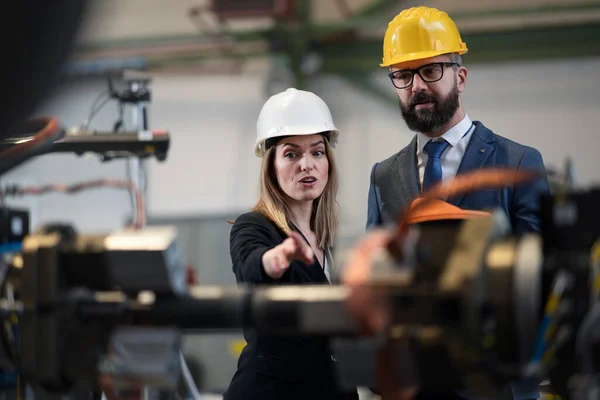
x,y
211,168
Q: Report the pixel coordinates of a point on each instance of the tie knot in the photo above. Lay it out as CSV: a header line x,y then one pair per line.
x,y
435,149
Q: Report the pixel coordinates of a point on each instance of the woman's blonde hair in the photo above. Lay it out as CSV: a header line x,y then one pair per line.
x,y
272,200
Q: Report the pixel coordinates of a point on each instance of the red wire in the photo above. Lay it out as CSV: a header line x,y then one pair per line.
x,y
140,216
43,136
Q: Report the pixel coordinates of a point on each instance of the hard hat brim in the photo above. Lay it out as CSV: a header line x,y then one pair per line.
x,y
421,56
259,148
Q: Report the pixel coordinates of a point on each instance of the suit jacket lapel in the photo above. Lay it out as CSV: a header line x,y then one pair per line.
x,y
478,151
317,267
407,171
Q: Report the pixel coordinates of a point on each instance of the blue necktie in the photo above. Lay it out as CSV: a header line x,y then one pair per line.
x,y
433,170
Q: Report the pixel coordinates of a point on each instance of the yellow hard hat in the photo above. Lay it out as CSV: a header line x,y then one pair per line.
x,y
418,33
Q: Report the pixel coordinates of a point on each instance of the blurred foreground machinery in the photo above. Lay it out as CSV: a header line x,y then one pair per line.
x,y
476,311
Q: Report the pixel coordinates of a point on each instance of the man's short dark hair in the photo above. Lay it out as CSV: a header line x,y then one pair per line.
x,y
455,58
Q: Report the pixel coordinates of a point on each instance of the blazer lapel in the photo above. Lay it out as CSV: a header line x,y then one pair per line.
x,y
316,267
480,147
407,171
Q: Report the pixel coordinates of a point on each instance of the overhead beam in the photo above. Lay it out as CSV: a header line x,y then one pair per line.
x,y
364,55
486,47
372,16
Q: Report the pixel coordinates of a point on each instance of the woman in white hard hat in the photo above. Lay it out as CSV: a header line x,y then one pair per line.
x,y
286,239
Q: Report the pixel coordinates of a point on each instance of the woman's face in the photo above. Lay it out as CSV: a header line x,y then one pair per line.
x,y
302,166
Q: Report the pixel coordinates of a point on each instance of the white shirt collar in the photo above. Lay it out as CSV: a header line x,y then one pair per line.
x,y
452,135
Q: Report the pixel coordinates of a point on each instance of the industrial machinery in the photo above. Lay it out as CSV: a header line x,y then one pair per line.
x,y
43,135
479,312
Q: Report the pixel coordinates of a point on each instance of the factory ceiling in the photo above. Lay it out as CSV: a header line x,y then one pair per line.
x,y
342,37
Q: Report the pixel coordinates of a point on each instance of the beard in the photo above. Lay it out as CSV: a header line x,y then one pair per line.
x,y
431,119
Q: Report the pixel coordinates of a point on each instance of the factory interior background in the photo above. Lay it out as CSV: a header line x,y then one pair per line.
x,y
534,69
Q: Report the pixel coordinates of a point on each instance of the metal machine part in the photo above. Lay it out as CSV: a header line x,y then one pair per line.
x,y
470,305
110,145
150,356
39,136
154,247
139,96
60,284
484,311
104,262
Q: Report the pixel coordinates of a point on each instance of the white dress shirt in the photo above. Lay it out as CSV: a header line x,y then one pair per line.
x,y
458,136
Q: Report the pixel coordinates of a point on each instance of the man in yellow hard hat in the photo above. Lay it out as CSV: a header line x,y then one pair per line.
x,y
423,51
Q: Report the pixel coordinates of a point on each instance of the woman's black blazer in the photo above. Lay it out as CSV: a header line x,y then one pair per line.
x,y
278,368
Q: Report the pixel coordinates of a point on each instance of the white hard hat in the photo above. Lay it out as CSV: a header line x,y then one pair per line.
x,y
293,112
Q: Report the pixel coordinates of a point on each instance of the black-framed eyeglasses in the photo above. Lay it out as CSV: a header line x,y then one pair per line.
x,y
403,78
